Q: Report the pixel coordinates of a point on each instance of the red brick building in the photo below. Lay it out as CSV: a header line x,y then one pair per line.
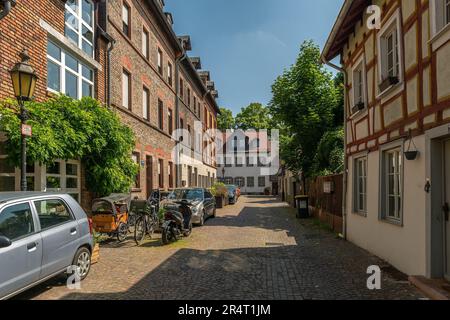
x,y
74,45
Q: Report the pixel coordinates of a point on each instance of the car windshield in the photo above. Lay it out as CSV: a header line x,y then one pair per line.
x,y
231,188
187,194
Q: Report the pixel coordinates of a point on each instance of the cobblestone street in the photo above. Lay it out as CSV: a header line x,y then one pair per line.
x,y
253,250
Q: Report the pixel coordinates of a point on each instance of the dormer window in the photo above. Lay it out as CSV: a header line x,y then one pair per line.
x,y
359,86
79,24
389,54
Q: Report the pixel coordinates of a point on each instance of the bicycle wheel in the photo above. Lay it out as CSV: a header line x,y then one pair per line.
x,y
140,230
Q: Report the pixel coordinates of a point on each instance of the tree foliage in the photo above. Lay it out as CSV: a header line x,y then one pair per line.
x,y
255,116
225,120
304,101
65,129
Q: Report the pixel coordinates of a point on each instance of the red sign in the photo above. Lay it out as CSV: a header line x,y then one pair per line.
x,y
27,130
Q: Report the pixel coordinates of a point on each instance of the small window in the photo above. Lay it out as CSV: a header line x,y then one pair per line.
x,y
441,14
170,121
261,182
160,62
169,74
79,24
16,221
145,43
145,104
160,115
52,213
126,90
392,185
390,56
181,89
126,18
240,182
360,185
250,182
161,173
359,87
189,97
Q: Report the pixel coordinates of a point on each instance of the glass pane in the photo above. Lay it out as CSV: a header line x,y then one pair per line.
x,y
53,182
71,20
391,208
30,183
7,184
16,221
361,202
87,34
72,4
87,72
54,168
53,51
88,48
71,35
53,76
72,183
125,90
87,9
86,89
391,187
71,85
71,169
399,206
71,63
52,213
6,167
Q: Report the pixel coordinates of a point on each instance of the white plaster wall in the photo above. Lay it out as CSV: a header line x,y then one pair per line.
x,y
402,246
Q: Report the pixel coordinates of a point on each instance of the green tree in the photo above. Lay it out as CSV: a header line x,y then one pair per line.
x,y
329,158
64,128
304,100
254,116
225,120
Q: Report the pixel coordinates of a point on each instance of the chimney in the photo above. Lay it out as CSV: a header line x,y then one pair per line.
x,y
210,85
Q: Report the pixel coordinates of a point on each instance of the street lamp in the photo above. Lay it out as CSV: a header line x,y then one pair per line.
x,y
223,174
24,82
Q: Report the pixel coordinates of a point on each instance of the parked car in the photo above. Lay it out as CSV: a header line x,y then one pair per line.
x,y
201,201
41,235
233,194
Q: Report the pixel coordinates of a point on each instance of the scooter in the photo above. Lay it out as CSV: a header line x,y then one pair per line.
x,y
177,224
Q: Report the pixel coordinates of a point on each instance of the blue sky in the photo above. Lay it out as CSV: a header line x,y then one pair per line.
x,y
246,44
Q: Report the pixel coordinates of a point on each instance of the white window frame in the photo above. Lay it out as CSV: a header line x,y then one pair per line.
x,y
78,74
392,26
146,43
79,16
395,148
145,103
356,185
128,91
63,178
360,67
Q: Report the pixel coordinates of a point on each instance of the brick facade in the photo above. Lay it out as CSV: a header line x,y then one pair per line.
x,y
31,24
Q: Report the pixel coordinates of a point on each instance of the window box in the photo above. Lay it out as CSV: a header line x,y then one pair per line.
x,y
358,107
387,83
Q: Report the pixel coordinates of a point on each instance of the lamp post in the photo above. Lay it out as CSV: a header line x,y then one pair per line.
x,y
24,81
223,174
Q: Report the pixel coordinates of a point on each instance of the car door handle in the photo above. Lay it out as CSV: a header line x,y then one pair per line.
x,y
73,231
31,247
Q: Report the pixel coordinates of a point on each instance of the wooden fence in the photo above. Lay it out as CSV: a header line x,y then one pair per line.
x,y
325,200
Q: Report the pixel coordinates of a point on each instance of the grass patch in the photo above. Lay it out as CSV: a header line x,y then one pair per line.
x,y
322,225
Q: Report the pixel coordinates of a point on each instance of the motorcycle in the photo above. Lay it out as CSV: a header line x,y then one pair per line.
x,y
177,224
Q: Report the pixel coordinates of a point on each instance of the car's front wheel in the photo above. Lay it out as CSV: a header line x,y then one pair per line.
x,y
82,261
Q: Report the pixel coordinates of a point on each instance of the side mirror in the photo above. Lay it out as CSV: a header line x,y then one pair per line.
x,y
5,242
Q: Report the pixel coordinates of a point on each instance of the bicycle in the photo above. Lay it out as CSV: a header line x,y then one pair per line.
x,y
146,223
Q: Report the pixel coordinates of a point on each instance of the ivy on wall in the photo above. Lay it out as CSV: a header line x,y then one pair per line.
x,y
64,128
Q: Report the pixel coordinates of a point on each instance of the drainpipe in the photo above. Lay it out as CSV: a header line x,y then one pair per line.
x,y
7,5
345,175
108,72
177,114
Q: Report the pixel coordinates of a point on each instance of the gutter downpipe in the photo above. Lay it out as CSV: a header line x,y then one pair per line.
x,y
345,175
177,116
6,8
108,72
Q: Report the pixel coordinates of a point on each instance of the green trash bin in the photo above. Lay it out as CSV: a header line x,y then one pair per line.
x,y
302,203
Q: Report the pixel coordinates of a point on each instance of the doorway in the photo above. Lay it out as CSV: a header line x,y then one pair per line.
x,y
149,175
445,207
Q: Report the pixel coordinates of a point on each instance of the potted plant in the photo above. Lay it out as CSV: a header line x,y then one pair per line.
x,y
411,154
220,192
358,107
388,82
96,251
